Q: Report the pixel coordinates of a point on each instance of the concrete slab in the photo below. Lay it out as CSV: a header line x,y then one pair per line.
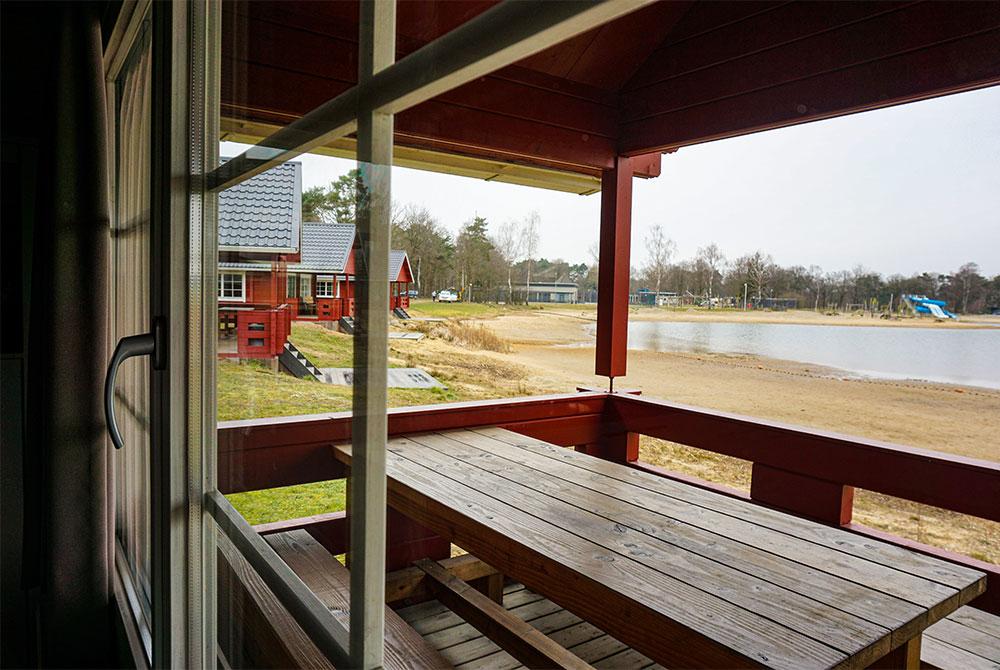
x,y
398,378
406,336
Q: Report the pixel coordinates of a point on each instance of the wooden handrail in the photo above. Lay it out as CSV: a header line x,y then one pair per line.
x,y
955,483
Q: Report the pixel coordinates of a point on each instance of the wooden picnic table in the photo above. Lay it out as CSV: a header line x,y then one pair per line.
x,y
685,575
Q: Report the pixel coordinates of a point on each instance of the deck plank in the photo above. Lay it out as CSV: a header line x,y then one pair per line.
x,y
679,624
942,572
821,622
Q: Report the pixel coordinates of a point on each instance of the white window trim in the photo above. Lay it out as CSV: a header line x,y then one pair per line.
x,y
243,286
327,293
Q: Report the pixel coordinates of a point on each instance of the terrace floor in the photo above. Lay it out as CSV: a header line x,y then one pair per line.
x,y
465,647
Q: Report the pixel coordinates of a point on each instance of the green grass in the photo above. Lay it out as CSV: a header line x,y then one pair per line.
x,y
290,502
252,390
325,348
460,310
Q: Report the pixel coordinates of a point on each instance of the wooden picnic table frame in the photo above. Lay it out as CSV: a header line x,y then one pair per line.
x,y
769,589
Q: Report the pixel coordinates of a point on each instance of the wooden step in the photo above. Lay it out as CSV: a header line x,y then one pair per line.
x,y
330,581
968,639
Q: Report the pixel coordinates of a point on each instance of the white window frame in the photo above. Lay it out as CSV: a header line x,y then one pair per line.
x,y
305,287
322,281
291,277
222,283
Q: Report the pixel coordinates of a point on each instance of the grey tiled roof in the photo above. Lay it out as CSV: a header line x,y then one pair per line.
x,y
263,213
258,266
325,247
396,258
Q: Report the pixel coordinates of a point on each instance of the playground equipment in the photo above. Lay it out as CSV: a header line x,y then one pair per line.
x,y
921,305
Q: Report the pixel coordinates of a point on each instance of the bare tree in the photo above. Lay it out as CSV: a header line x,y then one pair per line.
x,y
661,249
529,242
759,270
713,261
509,243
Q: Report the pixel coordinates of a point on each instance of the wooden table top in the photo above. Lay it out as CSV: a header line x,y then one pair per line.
x,y
685,575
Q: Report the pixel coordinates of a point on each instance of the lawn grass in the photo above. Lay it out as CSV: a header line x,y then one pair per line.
x,y
251,390
457,310
324,348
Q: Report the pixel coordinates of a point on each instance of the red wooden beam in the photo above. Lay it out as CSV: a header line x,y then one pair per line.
x,y
959,484
280,451
613,270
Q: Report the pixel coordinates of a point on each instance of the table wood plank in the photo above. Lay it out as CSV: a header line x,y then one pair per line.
x,y
851,635
943,572
905,619
680,625
797,539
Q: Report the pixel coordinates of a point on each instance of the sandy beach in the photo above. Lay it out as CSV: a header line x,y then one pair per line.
x,y
952,419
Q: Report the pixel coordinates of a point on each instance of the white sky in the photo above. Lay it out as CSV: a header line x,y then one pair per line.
x,y
907,189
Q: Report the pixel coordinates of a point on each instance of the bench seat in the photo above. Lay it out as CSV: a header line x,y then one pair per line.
x,y
968,639
327,577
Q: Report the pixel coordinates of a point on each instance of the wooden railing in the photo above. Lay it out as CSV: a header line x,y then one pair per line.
x,y
806,472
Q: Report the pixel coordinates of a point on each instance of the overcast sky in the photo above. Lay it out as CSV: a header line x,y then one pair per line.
x,y
906,189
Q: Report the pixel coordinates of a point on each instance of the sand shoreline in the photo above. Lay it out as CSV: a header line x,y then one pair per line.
x,y
797,317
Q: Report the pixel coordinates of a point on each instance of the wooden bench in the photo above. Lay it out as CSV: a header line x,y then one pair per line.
x,y
330,581
968,639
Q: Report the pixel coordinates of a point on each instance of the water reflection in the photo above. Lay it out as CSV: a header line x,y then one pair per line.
x,y
968,357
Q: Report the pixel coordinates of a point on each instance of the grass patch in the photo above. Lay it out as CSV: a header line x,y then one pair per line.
x,y
325,348
252,390
290,502
450,310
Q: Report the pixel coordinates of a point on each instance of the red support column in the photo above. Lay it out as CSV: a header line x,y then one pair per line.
x,y
613,271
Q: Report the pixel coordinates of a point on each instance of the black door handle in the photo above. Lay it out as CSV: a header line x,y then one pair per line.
x,y
147,344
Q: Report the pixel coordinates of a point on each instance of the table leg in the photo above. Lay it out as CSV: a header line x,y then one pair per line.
x,y
904,657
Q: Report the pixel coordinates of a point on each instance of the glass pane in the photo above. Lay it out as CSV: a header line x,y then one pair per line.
x,y
500,244
130,307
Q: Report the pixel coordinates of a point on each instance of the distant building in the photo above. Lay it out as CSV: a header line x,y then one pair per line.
x,y
644,296
550,291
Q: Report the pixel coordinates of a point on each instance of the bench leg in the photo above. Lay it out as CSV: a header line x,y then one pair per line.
x,y
904,657
490,586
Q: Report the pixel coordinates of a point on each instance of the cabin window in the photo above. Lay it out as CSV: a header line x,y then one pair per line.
x,y
324,287
305,286
232,286
292,286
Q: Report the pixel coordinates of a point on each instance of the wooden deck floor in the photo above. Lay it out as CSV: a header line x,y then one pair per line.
x,y
465,647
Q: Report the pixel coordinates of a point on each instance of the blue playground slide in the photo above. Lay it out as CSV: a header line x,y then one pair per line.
x,y
921,304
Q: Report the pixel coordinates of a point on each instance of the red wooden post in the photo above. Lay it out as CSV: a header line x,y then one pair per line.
x,y
819,499
613,271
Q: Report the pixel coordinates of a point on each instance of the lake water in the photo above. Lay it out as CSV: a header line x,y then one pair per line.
x,y
969,357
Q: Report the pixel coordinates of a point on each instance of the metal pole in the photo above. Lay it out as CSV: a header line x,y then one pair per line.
x,y
376,51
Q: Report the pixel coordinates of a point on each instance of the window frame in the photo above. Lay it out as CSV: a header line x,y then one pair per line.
x,y
321,281
221,285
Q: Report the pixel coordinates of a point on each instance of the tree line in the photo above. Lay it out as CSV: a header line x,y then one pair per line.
x,y
487,261
710,274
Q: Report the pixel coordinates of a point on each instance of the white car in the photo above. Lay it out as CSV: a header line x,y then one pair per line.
x,y
447,296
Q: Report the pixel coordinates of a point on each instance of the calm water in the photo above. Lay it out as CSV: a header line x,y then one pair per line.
x,y
970,357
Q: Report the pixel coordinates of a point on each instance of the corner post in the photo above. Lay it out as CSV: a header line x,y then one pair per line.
x,y
613,270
